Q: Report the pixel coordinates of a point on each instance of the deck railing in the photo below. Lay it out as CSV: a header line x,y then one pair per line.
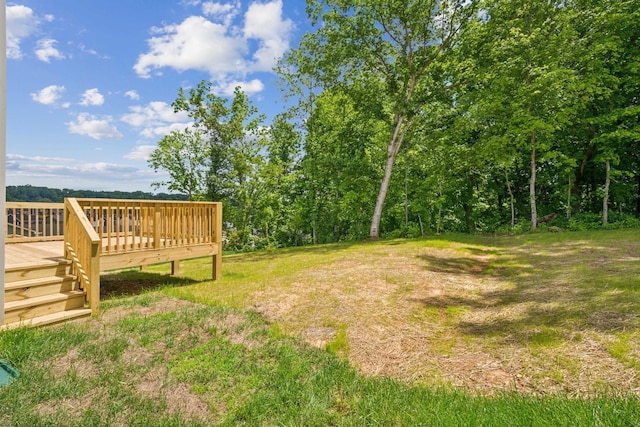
x,y
125,232
32,222
134,225
82,247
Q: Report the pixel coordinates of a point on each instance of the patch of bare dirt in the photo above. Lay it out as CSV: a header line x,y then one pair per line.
x,y
179,398
162,305
72,362
434,316
72,407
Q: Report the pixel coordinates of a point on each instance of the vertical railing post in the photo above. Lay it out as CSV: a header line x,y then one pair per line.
x,y
217,237
156,225
66,226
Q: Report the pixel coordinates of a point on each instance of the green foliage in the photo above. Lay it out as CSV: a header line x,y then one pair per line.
x,y
183,155
28,193
339,346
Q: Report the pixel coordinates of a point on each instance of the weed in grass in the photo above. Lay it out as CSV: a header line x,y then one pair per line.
x,y
339,346
625,348
547,337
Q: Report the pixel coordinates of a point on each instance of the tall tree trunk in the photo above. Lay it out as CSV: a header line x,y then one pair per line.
x,y
406,189
511,199
580,172
605,200
638,199
532,183
439,210
569,198
392,152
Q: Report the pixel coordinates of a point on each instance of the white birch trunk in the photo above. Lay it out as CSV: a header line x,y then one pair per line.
x,y
392,152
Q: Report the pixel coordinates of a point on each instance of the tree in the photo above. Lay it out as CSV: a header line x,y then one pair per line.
x,y
527,87
401,46
184,156
610,30
223,128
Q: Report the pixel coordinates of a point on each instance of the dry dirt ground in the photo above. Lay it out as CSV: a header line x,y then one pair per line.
x,y
436,316
481,318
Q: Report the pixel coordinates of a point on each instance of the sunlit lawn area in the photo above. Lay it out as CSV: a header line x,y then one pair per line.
x,y
536,329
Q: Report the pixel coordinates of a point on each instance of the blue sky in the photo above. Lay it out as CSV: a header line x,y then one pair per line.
x,y
90,83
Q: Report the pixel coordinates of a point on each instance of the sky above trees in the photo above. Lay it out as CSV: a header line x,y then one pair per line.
x,y
90,84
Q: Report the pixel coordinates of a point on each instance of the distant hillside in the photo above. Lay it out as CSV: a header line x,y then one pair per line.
x,y
28,193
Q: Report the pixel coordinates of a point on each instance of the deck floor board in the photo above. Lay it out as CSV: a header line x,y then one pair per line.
x,y
19,254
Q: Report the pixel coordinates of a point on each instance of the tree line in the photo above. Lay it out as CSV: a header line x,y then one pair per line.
x,y
410,117
28,193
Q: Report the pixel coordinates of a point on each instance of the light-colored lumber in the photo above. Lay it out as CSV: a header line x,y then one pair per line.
x,y
17,311
135,259
43,277
49,318
17,291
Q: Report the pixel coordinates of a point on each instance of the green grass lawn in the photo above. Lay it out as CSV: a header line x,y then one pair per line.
x,y
531,330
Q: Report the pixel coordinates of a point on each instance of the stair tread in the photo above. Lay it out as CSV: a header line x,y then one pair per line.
x,y
44,299
50,318
39,264
38,281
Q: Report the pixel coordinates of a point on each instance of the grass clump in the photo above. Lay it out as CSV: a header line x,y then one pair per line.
x,y
339,346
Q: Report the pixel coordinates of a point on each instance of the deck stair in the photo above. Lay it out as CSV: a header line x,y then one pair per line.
x,y
42,293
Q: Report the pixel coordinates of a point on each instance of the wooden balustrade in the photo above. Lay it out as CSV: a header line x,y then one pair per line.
x,y
137,232
105,234
132,225
82,246
33,222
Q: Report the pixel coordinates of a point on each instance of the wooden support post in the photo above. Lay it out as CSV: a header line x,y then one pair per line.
x,y
175,267
94,299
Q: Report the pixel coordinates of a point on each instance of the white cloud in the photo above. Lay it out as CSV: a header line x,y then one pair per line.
x,y
92,97
140,152
263,22
85,49
38,158
227,89
77,174
49,95
221,12
21,23
156,119
132,94
96,128
196,43
160,131
217,46
46,50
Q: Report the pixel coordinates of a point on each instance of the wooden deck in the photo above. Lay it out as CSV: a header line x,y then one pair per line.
x,y
25,254
52,276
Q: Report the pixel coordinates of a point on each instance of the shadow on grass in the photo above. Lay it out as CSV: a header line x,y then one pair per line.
x,y
569,285
281,253
130,283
